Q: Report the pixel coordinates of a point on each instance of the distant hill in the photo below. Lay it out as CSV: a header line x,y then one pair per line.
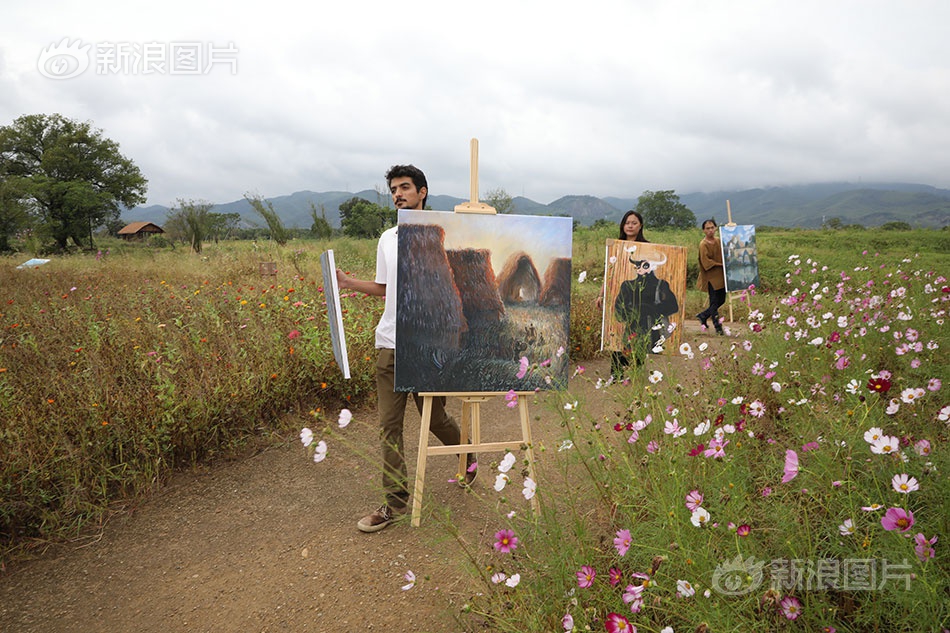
x,y
807,206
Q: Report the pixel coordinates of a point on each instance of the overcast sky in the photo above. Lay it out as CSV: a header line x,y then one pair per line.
x,y
607,98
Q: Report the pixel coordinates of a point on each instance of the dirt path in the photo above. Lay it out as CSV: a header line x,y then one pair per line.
x,y
269,543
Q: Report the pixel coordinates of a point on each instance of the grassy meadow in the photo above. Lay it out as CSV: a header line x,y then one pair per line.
x,y
118,367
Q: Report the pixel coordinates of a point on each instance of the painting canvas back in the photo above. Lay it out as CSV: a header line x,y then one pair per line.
x,y
482,302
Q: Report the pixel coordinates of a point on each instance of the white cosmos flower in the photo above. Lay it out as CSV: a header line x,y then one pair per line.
x,y
655,376
306,436
885,445
507,462
500,482
582,277
345,417
904,483
320,453
529,488
846,528
684,589
411,579
513,580
699,517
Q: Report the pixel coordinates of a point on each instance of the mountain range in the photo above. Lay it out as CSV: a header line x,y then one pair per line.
x,y
804,206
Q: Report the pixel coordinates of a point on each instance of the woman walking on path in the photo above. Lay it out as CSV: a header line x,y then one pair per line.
x,y
712,276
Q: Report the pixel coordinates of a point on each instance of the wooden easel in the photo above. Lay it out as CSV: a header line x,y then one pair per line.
x,y
471,402
745,292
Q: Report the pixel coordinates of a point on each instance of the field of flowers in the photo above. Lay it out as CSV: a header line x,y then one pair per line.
x,y
117,368
802,486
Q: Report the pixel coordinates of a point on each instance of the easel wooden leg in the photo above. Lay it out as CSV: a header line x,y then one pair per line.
x,y
421,461
465,425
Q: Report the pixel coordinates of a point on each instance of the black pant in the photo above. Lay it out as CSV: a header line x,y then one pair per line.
x,y
716,299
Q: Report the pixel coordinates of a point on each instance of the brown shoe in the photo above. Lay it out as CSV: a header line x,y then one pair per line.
x,y
378,520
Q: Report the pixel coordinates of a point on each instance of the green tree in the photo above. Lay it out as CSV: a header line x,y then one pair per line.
x,y
221,225
69,174
14,214
266,210
190,222
362,218
603,223
500,200
663,209
320,228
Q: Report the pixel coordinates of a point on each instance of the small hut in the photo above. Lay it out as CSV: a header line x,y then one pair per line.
x,y
557,283
519,281
475,280
139,230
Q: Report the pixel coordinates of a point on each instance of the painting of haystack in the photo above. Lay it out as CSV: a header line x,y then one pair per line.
x,y
644,297
739,256
473,300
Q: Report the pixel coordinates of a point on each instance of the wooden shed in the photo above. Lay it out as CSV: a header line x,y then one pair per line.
x,y
139,230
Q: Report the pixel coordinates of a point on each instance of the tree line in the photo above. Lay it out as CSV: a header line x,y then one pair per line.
x,y
62,181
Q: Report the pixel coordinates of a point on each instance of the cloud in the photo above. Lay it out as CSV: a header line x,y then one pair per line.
x,y
604,98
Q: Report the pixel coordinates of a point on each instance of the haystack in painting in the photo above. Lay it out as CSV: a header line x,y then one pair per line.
x,y
475,281
429,305
557,283
519,281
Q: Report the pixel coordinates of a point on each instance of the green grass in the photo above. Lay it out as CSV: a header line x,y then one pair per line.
x,y
119,368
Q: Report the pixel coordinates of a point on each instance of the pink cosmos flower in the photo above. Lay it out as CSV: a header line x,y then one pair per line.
x,y
616,623
293,334
716,448
791,607
505,541
743,530
511,398
694,499
934,384
522,367
615,576
633,595
567,622
923,547
791,466
623,541
810,446
922,447
897,519
653,447
585,577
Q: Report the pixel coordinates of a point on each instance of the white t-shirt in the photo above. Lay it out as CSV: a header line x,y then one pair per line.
x,y
386,251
